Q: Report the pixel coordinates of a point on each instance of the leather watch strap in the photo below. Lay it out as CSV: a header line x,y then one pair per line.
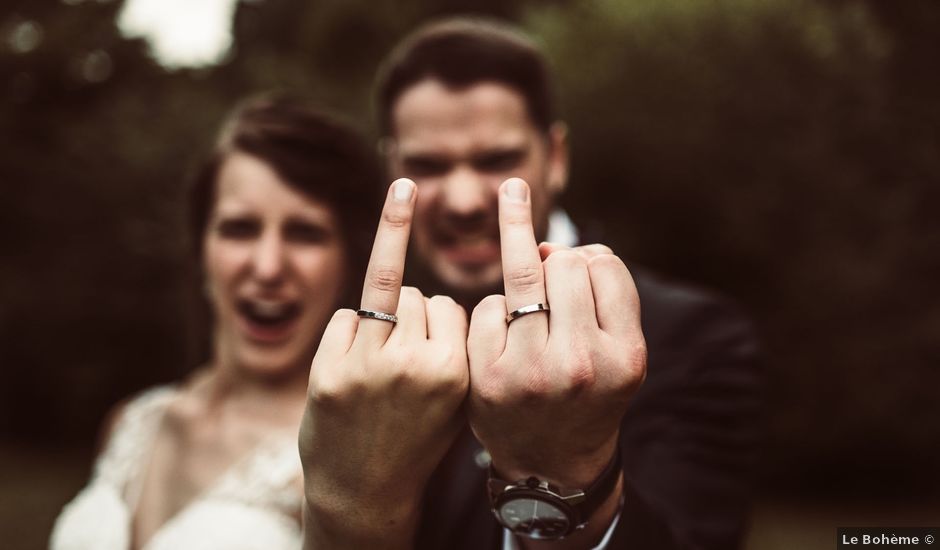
x,y
596,494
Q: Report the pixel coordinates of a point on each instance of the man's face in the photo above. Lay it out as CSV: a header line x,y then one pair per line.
x,y
459,145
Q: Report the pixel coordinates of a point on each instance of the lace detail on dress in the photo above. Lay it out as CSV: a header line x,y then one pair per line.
x,y
267,479
131,439
254,505
99,516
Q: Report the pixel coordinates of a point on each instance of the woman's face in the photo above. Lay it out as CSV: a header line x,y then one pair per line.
x,y
275,263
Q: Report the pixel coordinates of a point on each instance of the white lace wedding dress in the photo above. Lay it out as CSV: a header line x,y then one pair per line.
x,y
252,506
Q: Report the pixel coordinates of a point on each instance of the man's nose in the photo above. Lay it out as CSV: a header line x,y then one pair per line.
x,y
269,261
466,194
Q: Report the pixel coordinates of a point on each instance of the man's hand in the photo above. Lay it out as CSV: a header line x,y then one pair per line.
x,y
547,392
383,400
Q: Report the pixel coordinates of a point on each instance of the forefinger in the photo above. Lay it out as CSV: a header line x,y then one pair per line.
x,y
382,286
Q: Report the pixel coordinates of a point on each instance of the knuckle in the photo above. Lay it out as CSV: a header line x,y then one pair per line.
x,y
492,303
385,279
412,373
598,248
564,259
536,388
395,360
536,384
523,279
633,365
442,300
453,378
411,293
443,355
580,370
606,261
331,391
343,315
402,378
516,215
396,218
637,356
450,357
488,393
448,307
397,373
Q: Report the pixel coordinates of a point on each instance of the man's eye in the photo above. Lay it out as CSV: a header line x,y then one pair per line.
x,y
499,162
306,233
425,167
238,229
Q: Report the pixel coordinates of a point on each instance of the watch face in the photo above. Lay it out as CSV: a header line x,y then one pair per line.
x,y
534,518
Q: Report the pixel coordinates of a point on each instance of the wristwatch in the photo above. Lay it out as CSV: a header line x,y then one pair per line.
x,y
537,509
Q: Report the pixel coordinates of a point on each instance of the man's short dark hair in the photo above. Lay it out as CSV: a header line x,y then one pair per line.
x,y
461,52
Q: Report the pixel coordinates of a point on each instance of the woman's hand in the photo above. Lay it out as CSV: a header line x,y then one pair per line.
x,y
383,400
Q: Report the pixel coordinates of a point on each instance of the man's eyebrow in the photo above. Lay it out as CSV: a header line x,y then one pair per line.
x,y
499,151
424,155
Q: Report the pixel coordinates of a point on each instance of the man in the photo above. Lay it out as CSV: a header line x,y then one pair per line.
x,y
549,372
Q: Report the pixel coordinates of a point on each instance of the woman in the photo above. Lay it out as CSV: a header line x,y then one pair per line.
x,y
282,213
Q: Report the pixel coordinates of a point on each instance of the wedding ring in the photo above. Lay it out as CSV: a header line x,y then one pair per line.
x,y
525,310
380,315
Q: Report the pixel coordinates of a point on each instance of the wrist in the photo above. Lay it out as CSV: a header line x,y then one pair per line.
x,y
357,523
353,503
565,471
596,531
535,507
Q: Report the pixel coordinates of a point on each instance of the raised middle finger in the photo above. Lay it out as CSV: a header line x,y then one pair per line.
x,y
522,266
382,286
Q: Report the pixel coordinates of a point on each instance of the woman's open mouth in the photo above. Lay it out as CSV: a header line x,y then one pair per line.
x,y
268,321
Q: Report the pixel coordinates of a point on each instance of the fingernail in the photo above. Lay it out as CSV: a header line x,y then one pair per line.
x,y
402,189
516,189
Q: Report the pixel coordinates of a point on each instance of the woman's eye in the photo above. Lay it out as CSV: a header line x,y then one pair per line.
x,y
238,229
306,233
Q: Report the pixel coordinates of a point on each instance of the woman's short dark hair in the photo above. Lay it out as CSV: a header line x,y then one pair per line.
x,y
313,153
461,52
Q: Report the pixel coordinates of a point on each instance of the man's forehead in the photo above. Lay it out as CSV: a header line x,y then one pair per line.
x,y
488,115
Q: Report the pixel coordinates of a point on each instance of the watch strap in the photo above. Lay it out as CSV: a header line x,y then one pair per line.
x,y
596,494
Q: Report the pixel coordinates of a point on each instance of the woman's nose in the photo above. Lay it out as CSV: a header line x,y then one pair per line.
x,y
269,260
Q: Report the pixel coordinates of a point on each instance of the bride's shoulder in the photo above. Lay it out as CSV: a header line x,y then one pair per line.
x,y
128,413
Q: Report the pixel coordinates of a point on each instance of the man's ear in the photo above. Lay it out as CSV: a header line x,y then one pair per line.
x,y
557,157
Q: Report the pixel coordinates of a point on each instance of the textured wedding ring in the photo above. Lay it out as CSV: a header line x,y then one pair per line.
x,y
525,310
380,315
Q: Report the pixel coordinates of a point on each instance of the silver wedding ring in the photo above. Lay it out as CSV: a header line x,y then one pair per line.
x,y
525,310
380,315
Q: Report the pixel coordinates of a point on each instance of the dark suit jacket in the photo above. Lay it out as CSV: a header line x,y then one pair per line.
x,y
688,438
